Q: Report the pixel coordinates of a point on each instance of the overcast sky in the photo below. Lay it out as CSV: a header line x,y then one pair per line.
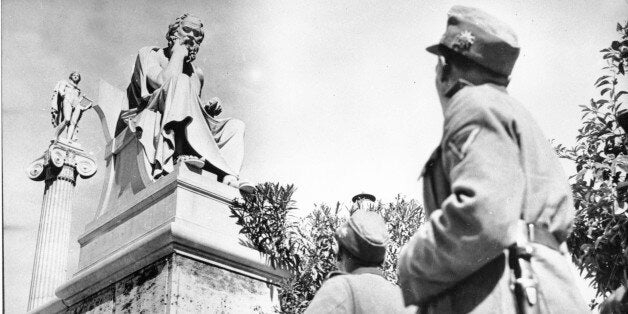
x,y
338,97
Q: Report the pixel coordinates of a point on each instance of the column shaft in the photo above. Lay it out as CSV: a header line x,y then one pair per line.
x,y
53,238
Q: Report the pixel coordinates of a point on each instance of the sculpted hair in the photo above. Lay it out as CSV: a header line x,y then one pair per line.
x,y
77,74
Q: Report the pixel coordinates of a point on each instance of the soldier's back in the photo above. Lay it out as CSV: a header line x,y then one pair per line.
x,y
374,294
358,293
547,203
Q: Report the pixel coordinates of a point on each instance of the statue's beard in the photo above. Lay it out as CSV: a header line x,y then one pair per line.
x,y
192,51
190,42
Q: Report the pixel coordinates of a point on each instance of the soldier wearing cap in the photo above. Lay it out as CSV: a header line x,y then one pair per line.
x,y
362,201
499,204
359,286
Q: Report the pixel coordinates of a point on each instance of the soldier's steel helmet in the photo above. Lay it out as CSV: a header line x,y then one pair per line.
x,y
480,37
365,236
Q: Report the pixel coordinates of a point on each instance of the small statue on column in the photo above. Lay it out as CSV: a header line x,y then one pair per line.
x,y
59,167
67,106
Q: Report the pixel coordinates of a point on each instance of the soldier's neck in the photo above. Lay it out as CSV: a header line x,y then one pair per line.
x,y
447,93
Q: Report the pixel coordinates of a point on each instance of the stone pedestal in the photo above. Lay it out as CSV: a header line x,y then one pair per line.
x,y
179,284
59,167
172,247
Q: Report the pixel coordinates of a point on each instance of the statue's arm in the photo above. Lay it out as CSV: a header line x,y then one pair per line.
x,y
57,101
60,88
201,77
174,67
152,76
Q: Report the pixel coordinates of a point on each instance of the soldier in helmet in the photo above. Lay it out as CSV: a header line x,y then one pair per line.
x,y
359,286
499,204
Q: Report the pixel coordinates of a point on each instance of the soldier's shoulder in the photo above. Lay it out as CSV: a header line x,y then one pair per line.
x,y
336,281
484,97
480,104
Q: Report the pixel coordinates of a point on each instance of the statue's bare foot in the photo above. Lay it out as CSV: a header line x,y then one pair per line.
x,y
191,161
244,186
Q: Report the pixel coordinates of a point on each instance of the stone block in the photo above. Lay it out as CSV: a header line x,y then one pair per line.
x,y
179,284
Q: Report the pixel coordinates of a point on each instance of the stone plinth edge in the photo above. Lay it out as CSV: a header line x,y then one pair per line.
x,y
53,306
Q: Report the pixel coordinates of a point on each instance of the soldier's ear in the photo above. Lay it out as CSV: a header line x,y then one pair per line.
x,y
339,253
445,68
446,72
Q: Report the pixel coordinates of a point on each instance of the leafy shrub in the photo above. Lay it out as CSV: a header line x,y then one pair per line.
x,y
600,235
306,246
318,258
403,219
264,214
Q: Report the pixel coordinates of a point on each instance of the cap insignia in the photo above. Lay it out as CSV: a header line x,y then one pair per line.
x,y
463,41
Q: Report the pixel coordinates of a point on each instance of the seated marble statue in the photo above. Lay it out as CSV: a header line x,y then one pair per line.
x,y
172,123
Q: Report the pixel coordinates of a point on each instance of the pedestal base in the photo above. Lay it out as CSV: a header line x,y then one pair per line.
x,y
179,284
171,248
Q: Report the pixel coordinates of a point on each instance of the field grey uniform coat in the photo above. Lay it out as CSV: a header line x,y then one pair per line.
x,y
365,290
492,164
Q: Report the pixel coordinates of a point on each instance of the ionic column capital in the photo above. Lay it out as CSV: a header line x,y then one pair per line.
x,y
58,155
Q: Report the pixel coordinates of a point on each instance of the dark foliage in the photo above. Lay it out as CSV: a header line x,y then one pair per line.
x,y
600,235
264,215
306,246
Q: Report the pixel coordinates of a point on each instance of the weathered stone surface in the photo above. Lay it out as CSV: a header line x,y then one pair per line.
x,y
101,302
201,288
145,291
178,284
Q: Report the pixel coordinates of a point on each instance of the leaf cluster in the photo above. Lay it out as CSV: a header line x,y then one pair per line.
x,y
263,217
306,247
600,236
318,258
403,218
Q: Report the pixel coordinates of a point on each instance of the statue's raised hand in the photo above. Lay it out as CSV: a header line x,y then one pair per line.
x,y
179,49
213,107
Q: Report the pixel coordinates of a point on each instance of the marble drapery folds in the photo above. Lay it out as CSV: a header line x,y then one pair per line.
x,y
171,121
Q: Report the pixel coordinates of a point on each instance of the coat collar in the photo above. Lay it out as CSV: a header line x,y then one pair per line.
x,y
462,89
367,270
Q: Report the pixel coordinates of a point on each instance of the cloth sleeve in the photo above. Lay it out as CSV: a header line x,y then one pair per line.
x,y
139,90
151,67
477,221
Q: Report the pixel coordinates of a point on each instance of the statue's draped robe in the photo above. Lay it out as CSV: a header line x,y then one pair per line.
x,y
174,112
